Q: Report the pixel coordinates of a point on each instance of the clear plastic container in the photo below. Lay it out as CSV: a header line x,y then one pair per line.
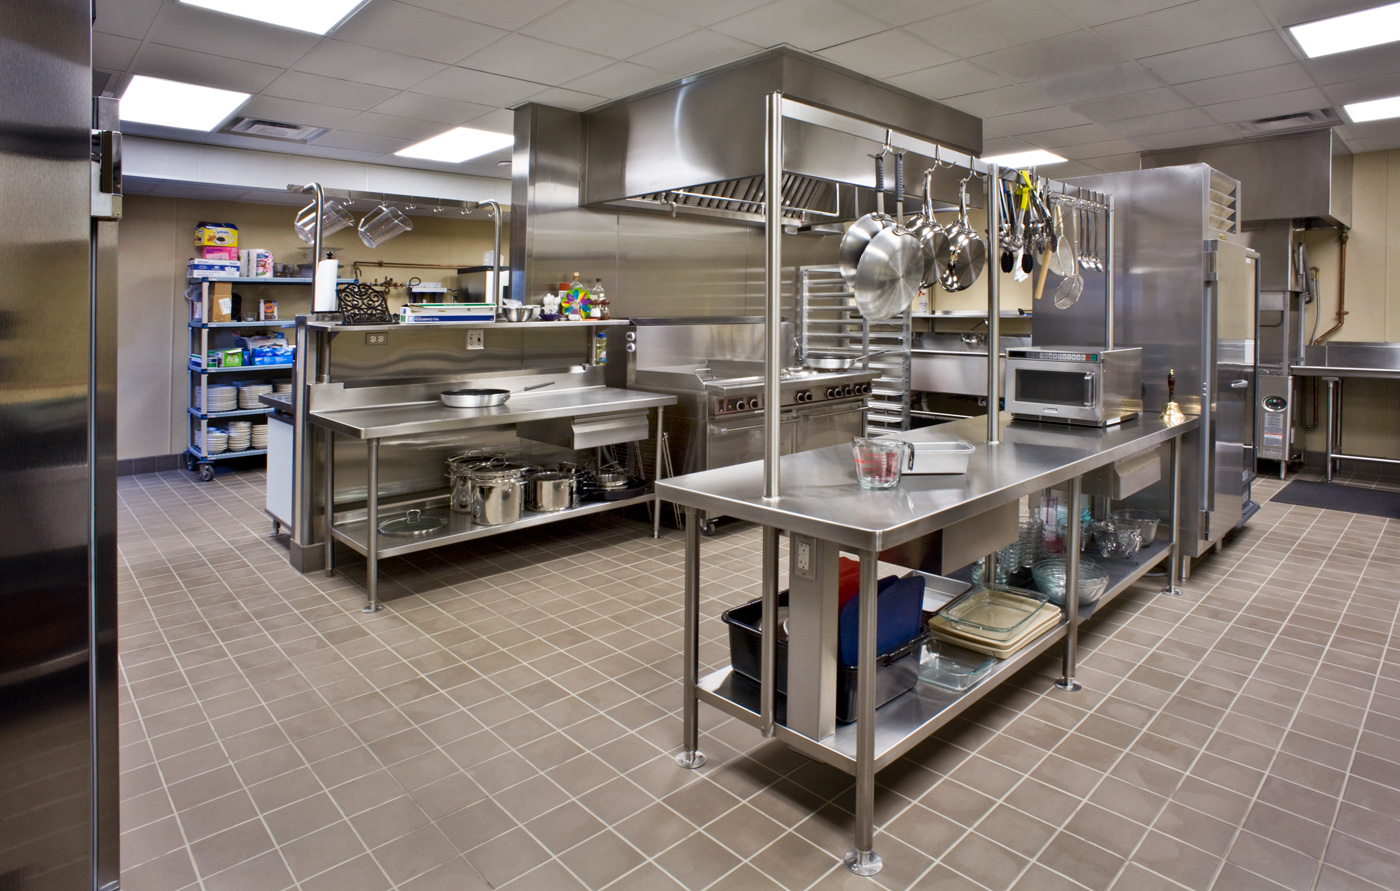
x,y
952,667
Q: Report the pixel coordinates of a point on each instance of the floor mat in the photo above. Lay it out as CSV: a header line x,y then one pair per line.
x,y
1334,496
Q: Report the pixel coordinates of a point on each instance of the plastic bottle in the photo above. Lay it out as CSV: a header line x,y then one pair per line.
x,y
600,348
601,308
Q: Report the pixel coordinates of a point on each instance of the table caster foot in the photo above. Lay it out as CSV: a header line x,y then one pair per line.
x,y
863,863
374,607
1069,685
691,760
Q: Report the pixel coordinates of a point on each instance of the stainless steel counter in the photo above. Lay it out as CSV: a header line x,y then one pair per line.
x,y
821,498
1335,362
381,421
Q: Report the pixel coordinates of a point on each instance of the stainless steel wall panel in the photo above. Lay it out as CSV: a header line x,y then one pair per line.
x,y
427,352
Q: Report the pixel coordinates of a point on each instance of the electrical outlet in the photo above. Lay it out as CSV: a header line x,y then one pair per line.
x,y
379,339
802,559
476,339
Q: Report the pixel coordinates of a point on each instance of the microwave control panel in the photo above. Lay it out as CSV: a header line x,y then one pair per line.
x,y
1054,355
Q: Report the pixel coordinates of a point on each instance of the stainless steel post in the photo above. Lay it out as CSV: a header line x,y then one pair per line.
x,y
993,305
1108,290
773,290
372,532
690,756
495,209
1174,562
329,482
768,636
1076,488
1331,422
655,499
862,859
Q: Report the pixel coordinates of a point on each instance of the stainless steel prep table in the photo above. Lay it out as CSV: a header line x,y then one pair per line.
x,y
821,499
1334,362
373,423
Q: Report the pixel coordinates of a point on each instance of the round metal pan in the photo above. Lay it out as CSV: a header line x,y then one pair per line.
x,y
481,398
858,236
834,361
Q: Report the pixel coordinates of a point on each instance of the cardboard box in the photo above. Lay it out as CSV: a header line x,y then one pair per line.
x,y
201,268
218,253
220,301
267,310
216,235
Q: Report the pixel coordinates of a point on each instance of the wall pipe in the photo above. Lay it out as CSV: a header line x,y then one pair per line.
x,y
1341,292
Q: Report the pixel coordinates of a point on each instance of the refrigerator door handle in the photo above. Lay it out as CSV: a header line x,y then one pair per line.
x,y
1235,385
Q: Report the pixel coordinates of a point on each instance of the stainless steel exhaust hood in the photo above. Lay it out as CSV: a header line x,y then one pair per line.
x,y
696,146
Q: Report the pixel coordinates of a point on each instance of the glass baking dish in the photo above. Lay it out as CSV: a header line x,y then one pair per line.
x,y
998,609
952,667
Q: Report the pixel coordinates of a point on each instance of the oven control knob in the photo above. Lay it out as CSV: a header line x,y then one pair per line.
x,y
631,336
864,389
830,392
848,390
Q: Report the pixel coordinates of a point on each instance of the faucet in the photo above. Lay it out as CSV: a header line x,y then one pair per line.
x,y
972,339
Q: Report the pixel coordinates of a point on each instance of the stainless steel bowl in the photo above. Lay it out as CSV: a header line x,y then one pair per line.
x,y
519,313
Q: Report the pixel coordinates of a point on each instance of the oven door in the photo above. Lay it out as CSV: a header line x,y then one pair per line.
x,y
736,439
824,425
1063,391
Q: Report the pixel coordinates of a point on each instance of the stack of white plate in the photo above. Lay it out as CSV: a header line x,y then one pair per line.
x,y
218,441
240,435
282,388
221,398
260,436
249,392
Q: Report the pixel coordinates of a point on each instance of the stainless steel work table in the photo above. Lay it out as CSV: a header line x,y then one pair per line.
x,y
1375,361
374,423
821,499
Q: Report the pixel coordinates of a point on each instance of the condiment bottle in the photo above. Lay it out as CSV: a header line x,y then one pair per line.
x,y
601,308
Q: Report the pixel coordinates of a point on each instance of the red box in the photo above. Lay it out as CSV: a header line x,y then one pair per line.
x,y
219,253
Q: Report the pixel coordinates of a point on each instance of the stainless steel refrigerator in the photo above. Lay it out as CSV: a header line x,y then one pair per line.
x,y
58,535
1185,288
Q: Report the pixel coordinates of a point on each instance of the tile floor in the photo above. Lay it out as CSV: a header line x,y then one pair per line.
x,y
510,724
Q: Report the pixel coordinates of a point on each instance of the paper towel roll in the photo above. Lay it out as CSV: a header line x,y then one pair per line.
x,y
324,298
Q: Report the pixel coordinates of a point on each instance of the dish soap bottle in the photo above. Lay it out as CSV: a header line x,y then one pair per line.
x,y
580,298
601,308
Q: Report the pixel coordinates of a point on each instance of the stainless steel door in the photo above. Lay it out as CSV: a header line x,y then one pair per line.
x,y
740,439
1228,436
825,425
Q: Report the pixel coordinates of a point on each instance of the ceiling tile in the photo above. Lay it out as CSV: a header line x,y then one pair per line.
x,y
1181,119
480,87
1036,120
290,111
706,13
1187,25
538,60
327,91
1184,138
1002,101
392,126
1067,169
953,79
1367,88
1098,12
1369,62
1131,105
414,31
1053,55
607,27
497,120
431,108
1267,106
807,24
192,28
572,99
620,79
1295,12
1003,145
1058,139
1098,149
130,18
1222,57
886,54
1373,129
1114,163
1096,83
362,142
510,16
994,25
903,12
203,69
348,61
1378,143
113,53
695,52
1247,84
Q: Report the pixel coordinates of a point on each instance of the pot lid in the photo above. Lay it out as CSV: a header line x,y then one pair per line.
x,y
415,522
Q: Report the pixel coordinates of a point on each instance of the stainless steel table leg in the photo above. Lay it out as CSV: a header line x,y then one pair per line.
x,y
656,472
330,500
1174,560
1076,534
1331,423
862,859
768,638
372,546
691,756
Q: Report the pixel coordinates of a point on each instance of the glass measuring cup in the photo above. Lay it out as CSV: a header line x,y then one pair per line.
x,y
879,462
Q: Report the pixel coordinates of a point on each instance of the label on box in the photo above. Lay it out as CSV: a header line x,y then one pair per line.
x,y
267,310
216,235
219,253
213,269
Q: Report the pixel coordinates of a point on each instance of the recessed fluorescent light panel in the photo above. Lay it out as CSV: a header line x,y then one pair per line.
x,y
1375,110
170,103
458,145
315,16
1033,158
1369,27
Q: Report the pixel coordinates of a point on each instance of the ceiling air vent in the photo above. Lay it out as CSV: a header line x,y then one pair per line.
x,y
273,129
1284,123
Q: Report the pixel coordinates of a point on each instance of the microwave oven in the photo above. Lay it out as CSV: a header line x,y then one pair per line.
x,y
1074,385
